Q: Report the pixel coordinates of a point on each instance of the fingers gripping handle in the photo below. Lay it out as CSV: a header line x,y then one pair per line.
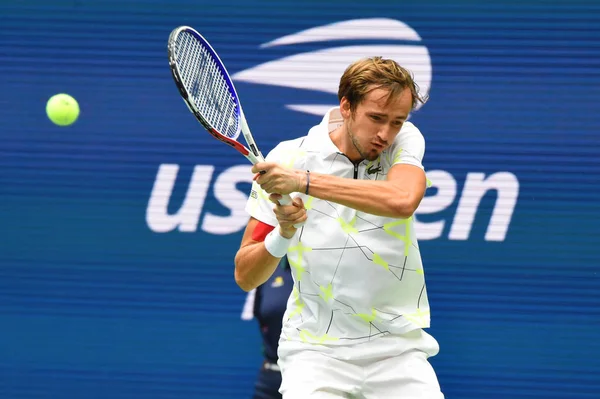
x,y
286,200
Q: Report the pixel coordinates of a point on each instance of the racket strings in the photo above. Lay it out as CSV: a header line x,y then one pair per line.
x,y
206,85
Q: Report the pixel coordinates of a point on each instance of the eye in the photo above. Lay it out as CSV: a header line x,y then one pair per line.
x,y
398,123
376,118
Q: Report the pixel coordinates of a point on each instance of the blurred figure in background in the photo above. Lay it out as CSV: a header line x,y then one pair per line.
x,y
267,304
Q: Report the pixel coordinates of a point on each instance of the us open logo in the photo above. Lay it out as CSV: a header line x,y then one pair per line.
x,y
321,70
318,72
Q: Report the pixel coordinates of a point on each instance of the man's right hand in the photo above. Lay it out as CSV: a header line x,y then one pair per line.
x,y
288,215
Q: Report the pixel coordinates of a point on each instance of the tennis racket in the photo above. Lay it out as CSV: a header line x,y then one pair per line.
x,y
209,93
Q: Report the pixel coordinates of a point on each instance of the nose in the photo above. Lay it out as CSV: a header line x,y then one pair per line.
x,y
385,133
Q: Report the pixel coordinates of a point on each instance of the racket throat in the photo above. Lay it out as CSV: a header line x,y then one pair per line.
x,y
255,151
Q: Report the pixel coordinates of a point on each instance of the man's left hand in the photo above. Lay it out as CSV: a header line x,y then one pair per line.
x,y
274,178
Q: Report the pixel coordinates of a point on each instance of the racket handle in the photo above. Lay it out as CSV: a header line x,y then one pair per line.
x,y
285,200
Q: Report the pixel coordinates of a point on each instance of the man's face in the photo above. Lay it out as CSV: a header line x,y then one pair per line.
x,y
376,122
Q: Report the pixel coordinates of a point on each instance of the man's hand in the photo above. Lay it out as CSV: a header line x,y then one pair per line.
x,y
274,178
288,215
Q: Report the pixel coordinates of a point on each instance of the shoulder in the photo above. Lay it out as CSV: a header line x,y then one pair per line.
x,y
408,142
285,146
410,139
288,152
409,134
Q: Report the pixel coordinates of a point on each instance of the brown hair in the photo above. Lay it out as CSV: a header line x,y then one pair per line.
x,y
368,74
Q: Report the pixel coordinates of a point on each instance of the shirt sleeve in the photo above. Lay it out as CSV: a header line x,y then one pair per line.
x,y
409,147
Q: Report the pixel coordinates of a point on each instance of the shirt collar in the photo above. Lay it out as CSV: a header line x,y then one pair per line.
x,y
318,138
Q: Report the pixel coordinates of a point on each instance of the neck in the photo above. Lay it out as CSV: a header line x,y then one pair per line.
x,y
341,139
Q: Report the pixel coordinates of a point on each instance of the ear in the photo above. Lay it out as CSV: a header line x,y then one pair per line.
x,y
345,108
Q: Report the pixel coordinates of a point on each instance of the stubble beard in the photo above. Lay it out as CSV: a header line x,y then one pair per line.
x,y
370,156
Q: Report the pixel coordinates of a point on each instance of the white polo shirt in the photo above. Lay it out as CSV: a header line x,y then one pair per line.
x,y
357,276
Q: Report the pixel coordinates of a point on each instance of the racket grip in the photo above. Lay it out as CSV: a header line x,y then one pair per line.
x,y
286,200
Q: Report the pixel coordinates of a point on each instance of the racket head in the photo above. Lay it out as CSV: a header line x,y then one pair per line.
x,y
205,85
208,91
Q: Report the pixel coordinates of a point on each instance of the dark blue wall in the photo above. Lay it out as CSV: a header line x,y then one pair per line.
x,y
101,298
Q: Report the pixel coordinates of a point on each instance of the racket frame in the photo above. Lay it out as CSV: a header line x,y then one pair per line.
x,y
253,154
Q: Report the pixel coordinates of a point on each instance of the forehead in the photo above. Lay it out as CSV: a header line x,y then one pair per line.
x,y
379,101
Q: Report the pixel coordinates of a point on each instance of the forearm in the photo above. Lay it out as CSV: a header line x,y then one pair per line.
x,y
381,198
253,266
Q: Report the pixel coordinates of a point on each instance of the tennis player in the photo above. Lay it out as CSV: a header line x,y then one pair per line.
x,y
355,321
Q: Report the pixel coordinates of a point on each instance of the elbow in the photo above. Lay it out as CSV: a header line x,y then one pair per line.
x,y
242,282
404,214
404,208
241,279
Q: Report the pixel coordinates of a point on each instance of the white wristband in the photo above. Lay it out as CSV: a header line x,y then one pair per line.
x,y
276,244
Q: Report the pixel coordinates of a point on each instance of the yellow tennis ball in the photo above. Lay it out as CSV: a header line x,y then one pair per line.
x,y
62,109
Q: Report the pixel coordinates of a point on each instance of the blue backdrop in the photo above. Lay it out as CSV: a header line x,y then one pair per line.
x,y
117,282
